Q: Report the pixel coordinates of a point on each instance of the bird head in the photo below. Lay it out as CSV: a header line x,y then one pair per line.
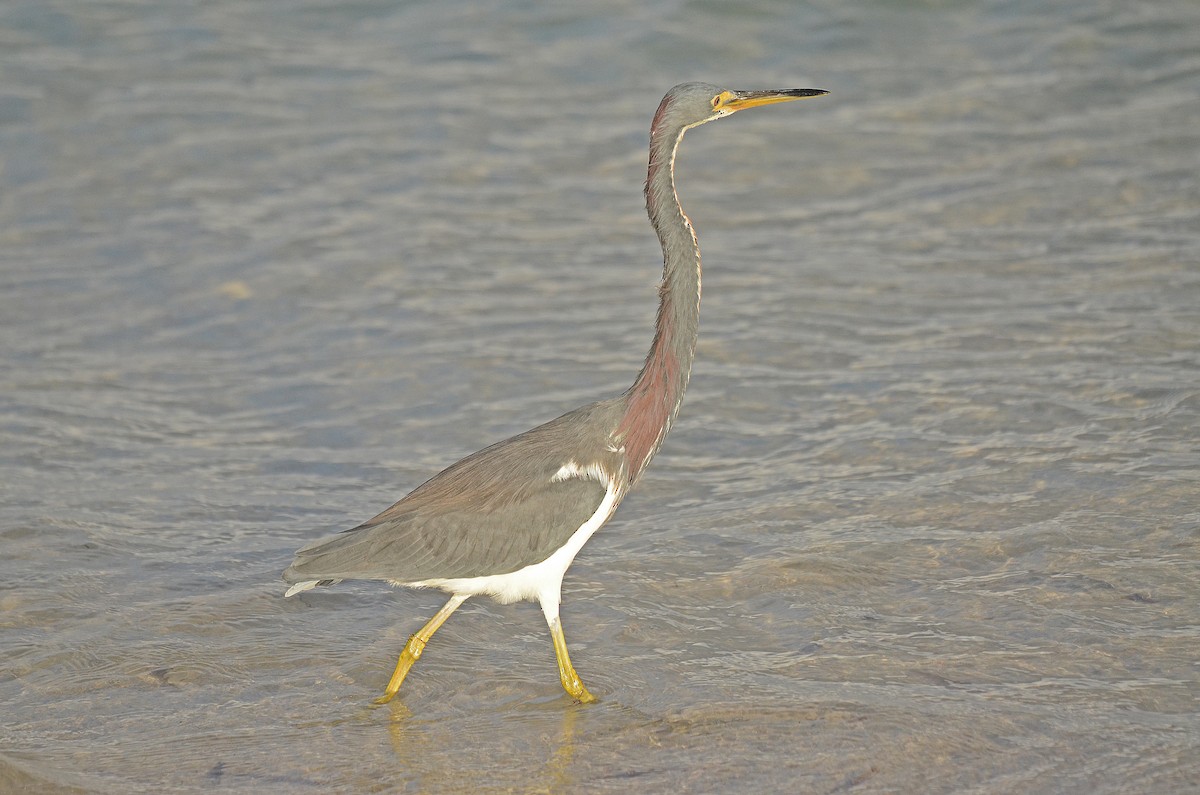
x,y
690,104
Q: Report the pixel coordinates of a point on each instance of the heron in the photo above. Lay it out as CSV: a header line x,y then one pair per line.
x,y
508,521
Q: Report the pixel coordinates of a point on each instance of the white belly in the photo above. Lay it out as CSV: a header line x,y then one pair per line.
x,y
534,581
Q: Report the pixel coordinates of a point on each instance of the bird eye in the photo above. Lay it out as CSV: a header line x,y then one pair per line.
x,y
720,101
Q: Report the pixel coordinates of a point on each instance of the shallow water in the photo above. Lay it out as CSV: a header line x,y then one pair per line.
x,y
928,522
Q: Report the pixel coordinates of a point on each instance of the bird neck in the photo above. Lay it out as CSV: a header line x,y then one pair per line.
x,y
653,401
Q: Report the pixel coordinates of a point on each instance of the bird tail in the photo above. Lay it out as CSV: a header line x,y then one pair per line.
x,y
307,585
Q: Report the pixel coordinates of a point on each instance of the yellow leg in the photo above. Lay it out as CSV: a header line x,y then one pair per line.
x,y
416,645
566,672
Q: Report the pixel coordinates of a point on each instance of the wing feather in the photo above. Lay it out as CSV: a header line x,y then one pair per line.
x,y
498,510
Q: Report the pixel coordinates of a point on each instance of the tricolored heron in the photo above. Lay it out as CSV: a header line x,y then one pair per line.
x,y
508,520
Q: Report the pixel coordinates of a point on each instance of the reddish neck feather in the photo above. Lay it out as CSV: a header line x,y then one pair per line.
x,y
653,400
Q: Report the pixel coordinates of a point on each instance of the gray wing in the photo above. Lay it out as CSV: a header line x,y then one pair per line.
x,y
409,546
493,512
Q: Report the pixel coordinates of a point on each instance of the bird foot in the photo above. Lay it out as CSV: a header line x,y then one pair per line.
x,y
585,698
575,689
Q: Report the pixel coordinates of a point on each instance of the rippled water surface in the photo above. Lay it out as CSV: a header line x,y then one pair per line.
x,y
928,522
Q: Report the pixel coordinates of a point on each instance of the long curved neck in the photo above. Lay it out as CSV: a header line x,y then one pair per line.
x,y
653,401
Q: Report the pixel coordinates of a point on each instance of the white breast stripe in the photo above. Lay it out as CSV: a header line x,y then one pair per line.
x,y
571,469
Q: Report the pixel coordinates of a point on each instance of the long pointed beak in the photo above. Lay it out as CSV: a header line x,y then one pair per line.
x,y
740,100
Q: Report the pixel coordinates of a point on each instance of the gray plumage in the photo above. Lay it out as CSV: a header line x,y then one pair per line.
x,y
493,512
